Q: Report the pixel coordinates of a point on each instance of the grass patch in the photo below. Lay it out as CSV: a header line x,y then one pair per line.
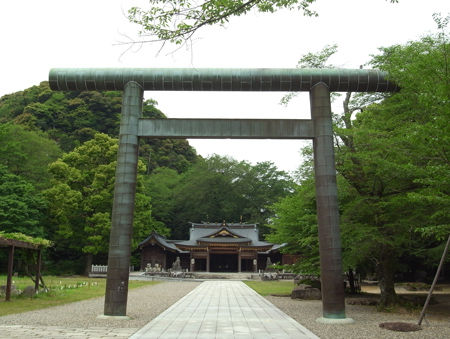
x,y
271,287
62,290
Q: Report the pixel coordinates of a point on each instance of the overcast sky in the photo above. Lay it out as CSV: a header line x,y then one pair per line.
x,y
39,35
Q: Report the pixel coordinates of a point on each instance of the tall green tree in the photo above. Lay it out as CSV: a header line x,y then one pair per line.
x,y
295,223
217,189
80,199
393,167
22,207
27,153
162,185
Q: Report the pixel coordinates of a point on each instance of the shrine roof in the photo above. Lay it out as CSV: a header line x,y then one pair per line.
x,y
224,233
245,234
225,240
161,240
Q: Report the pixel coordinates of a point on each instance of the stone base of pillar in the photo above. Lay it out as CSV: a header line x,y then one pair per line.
x,y
113,317
335,321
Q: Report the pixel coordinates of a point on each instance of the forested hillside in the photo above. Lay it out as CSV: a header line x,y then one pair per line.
x,y
58,158
71,118
58,155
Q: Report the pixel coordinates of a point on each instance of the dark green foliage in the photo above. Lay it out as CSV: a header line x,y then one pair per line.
x,y
35,125
72,118
81,197
296,224
64,116
392,160
27,153
171,153
216,189
397,161
21,206
161,186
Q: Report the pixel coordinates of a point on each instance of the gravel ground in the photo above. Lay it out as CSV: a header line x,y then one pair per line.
x,y
366,319
144,304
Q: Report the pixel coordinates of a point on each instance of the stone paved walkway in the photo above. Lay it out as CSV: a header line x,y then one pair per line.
x,y
223,309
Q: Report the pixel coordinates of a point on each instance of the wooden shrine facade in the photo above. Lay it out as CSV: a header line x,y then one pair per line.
x,y
213,247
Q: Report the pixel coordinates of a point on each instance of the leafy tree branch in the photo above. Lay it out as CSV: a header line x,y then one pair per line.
x,y
176,21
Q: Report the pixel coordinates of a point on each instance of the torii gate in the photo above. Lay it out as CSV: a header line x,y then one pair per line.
x,y
133,81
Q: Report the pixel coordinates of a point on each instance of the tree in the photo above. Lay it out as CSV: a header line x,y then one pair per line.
x,y
69,118
168,153
217,189
399,146
392,162
177,21
81,196
295,223
161,185
422,69
22,207
27,153
72,118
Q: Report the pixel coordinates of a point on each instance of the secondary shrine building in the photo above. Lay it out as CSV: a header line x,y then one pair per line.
x,y
214,247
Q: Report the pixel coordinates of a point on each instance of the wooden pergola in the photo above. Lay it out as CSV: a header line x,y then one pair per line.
x,y
11,244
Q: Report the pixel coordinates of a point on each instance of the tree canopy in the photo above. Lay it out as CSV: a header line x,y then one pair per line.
x,y
69,200
71,118
22,207
27,153
216,189
392,163
81,196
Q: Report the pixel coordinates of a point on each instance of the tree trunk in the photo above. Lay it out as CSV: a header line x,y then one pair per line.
x,y
386,271
89,258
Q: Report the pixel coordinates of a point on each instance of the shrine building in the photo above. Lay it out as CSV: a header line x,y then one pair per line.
x,y
214,247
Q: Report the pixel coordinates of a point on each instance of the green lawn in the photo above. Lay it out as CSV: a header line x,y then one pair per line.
x,y
271,287
62,290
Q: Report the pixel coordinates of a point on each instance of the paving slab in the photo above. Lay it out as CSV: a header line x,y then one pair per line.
x,y
223,309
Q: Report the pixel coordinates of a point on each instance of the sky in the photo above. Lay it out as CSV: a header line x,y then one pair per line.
x,y
39,35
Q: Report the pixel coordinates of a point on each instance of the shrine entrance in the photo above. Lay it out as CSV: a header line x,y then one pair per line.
x,y
223,262
318,82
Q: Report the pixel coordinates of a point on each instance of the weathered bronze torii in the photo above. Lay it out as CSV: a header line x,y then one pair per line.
x,y
318,82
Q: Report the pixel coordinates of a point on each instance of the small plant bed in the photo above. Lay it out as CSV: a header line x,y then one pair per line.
x,y
61,290
275,288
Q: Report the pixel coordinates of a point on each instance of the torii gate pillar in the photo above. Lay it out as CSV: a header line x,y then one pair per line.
x,y
123,205
333,302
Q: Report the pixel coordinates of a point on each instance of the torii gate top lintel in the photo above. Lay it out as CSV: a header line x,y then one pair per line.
x,y
220,79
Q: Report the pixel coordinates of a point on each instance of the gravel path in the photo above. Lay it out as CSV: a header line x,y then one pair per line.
x,y
366,319
144,304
